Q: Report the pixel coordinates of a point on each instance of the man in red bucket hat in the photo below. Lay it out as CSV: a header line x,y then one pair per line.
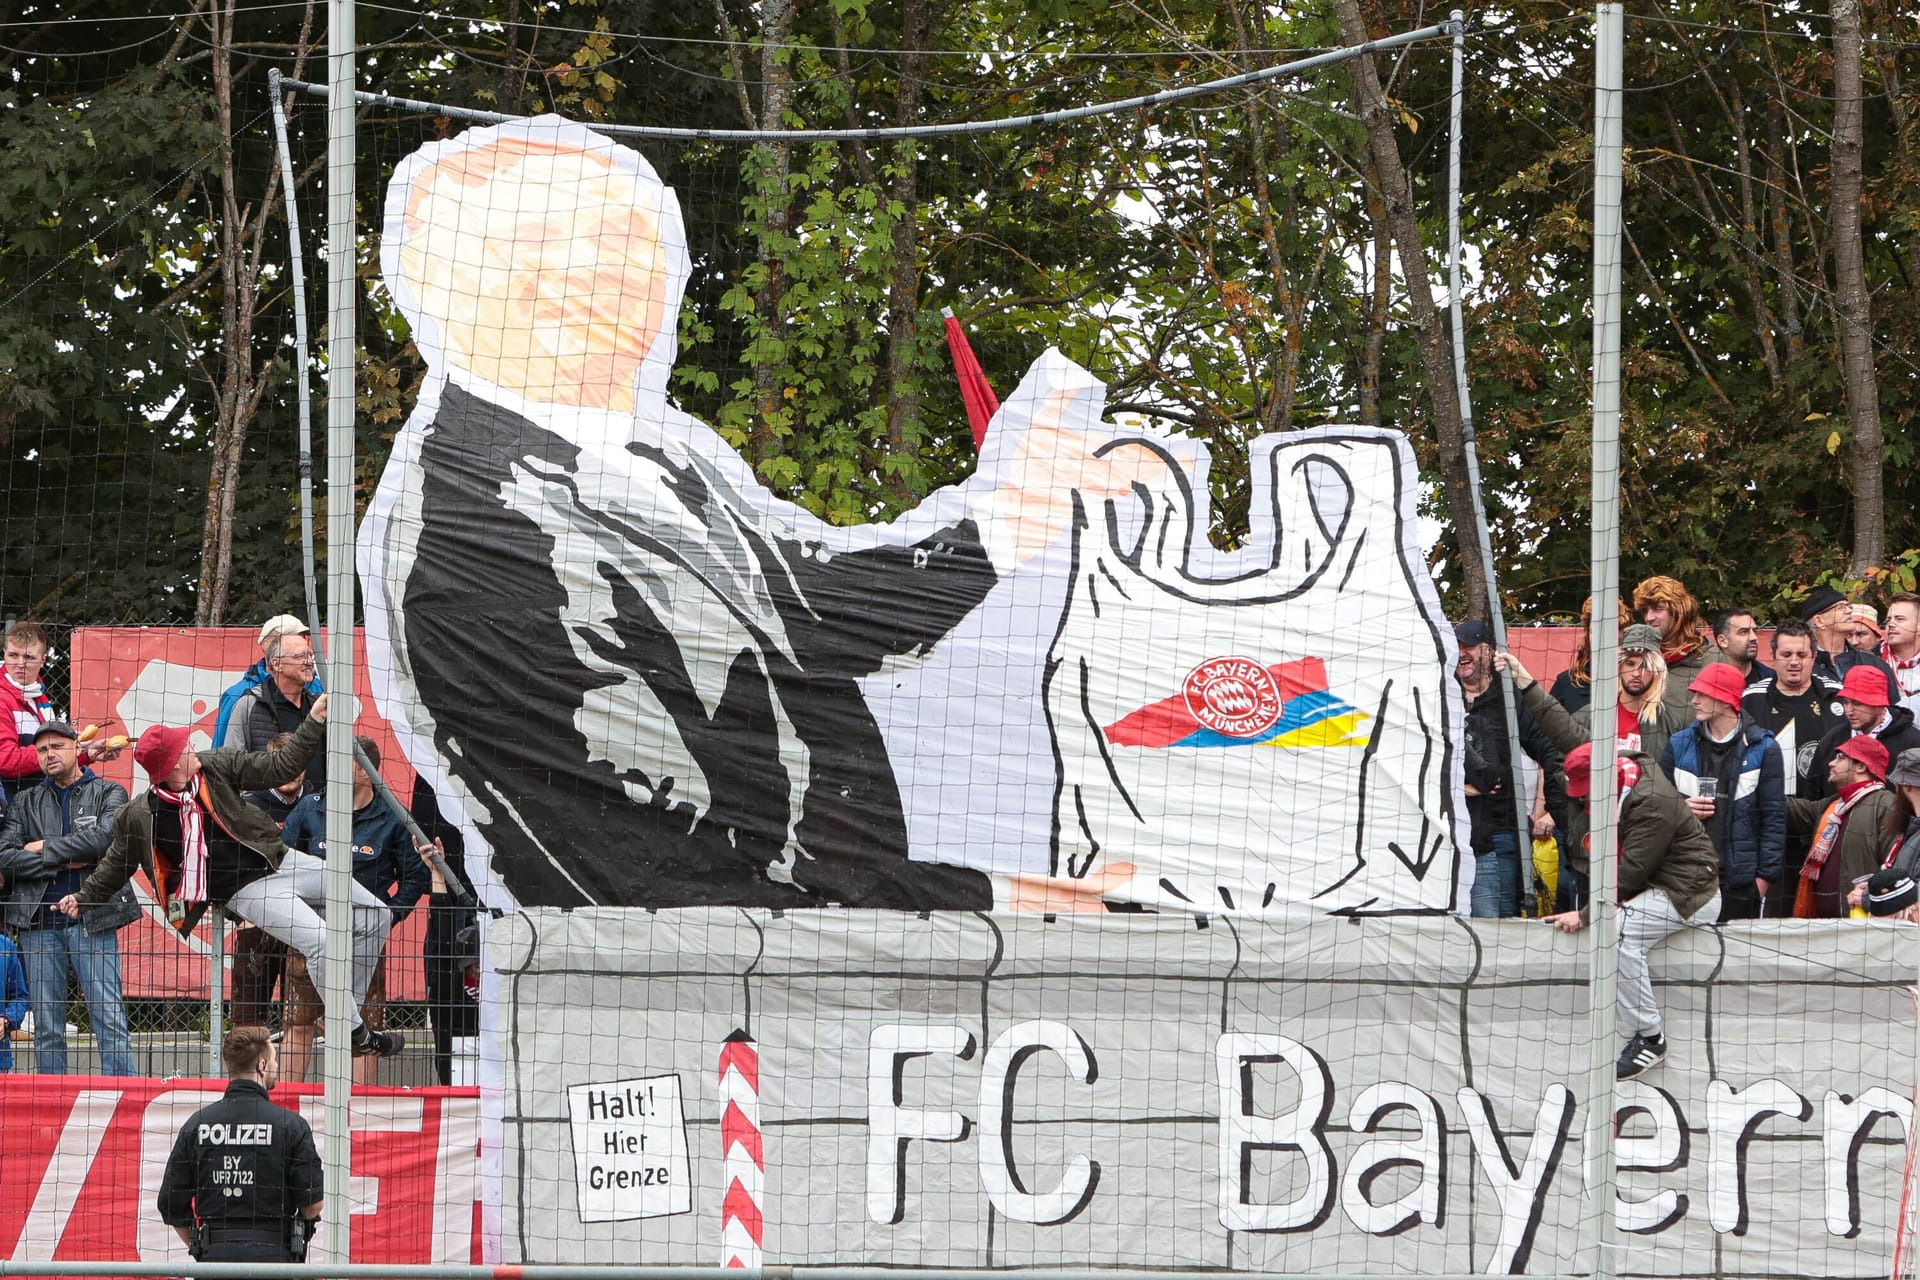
x,y
1869,707
1847,829
1669,878
1730,772
200,843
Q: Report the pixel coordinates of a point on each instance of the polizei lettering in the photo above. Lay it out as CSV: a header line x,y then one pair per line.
x,y
236,1135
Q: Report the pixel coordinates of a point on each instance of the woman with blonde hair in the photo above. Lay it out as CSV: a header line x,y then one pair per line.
x,y
1573,688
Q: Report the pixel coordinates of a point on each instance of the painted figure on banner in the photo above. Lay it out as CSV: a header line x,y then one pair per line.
x,y
638,677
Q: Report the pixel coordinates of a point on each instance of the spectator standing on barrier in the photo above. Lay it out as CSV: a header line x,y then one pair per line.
x,y
385,863
243,1182
53,835
13,999
1900,650
282,701
1797,707
282,624
1729,771
1686,643
200,843
1865,696
259,958
1737,635
1492,808
1846,829
1669,878
1644,723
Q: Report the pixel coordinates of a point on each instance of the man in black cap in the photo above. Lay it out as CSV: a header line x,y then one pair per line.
x,y
1890,893
1492,807
1827,612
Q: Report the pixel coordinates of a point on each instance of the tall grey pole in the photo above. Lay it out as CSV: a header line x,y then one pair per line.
x,y
1603,944
1483,540
342,255
303,396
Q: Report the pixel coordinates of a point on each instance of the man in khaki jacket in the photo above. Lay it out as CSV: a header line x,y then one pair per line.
x,y
200,843
1669,879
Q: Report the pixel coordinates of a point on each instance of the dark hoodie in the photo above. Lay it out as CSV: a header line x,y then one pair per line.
x,y
1899,735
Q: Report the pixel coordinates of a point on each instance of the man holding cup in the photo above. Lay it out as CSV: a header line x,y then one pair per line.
x,y
1729,770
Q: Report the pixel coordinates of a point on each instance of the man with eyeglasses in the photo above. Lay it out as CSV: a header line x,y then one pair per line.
x,y
280,703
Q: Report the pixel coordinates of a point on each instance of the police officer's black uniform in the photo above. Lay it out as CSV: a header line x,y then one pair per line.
x,y
242,1168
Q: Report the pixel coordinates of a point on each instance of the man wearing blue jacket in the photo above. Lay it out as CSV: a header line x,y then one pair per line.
x,y
385,862
1730,771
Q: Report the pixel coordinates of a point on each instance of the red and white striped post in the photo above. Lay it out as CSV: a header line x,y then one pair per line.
x,y
742,1154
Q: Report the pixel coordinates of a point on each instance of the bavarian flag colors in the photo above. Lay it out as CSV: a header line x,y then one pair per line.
x,y
1237,701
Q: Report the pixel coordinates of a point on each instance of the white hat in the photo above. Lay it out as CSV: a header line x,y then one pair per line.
x,y
281,624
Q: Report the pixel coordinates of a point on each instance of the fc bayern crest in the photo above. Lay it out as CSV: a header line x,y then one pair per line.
x,y
1235,696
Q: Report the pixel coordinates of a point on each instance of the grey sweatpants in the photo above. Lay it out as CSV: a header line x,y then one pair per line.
x,y
1644,921
287,904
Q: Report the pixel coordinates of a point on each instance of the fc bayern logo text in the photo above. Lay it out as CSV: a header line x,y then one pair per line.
x,y
1235,696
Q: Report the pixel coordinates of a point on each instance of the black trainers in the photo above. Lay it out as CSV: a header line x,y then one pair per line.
x,y
1642,1054
376,1044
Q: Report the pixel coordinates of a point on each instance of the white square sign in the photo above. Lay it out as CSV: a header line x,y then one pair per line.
x,y
630,1149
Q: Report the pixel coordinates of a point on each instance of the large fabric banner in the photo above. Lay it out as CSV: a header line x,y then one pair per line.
x,y
82,1156
1311,1094
641,678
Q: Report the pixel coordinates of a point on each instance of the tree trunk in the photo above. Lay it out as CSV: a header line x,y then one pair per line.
x,y
1397,198
903,290
770,409
233,386
1850,292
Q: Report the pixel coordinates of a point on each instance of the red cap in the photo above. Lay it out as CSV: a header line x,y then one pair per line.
x,y
1868,750
161,747
1579,760
1867,686
1719,681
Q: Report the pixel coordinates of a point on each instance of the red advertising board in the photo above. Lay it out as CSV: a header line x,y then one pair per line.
x,y
83,1156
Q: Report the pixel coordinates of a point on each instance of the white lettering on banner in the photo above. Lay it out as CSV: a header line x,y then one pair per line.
x,y
1245,1132
1521,1190
1665,1150
1653,1137
383,1114
81,1134
891,1124
630,1149
1848,1122
998,1171
1377,1157
1732,1119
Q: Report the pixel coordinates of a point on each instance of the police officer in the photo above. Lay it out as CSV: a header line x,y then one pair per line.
x,y
243,1183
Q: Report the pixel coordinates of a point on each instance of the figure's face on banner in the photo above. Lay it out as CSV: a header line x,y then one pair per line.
x,y
542,270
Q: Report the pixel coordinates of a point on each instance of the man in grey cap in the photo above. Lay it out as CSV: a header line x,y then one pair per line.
x,y
1903,823
280,703
281,624
53,835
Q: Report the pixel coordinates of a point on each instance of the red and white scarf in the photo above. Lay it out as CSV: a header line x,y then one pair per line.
x,y
1829,839
193,840
1905,670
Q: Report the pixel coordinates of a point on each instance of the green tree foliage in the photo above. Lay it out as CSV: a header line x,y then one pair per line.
x,y
1219,262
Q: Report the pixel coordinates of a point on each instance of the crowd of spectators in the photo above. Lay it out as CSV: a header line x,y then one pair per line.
x,y
239,828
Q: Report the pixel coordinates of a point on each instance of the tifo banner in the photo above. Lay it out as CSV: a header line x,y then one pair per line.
x,y
1037,689
1311,1094
82,1158
129,679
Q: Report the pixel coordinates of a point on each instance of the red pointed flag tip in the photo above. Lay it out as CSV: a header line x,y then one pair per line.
x,y
739,1206
975,390
742,1057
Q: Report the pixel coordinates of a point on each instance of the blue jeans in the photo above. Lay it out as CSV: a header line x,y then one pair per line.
x,y
55,954
1496,878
